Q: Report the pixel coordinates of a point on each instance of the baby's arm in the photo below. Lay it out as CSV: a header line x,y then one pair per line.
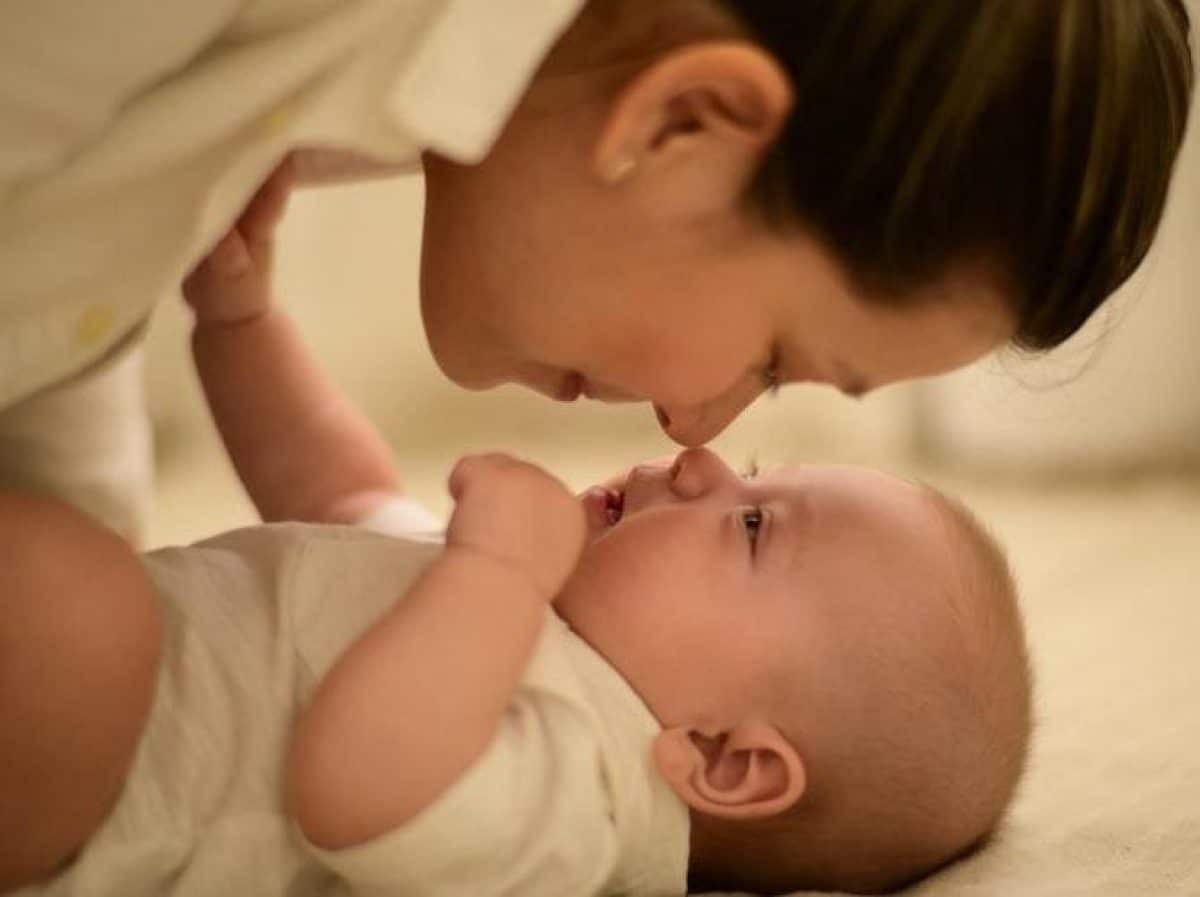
x,y
302,451
416,700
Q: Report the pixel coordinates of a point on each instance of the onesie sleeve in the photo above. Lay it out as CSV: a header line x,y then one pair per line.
x,y
403,517
530,817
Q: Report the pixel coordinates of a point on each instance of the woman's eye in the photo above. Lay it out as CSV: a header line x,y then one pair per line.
x,y
770,374
750,472
752,519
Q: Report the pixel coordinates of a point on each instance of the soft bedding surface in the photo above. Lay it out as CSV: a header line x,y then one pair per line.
x,y
1111,804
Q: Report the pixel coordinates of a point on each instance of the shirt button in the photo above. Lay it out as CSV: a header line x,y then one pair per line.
x,y
94,324
279,119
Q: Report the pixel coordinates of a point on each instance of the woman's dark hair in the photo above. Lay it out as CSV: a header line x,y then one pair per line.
x,y
1038,135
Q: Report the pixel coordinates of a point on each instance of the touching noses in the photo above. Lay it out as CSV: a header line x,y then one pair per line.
x,y
692,425
698,472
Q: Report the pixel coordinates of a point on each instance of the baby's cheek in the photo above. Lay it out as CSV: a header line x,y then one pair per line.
x,y
636,568
594,587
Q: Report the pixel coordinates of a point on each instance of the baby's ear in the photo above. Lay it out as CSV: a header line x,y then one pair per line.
x,y
749,772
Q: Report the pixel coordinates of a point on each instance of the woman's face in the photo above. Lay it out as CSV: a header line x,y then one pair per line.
x,y
577,288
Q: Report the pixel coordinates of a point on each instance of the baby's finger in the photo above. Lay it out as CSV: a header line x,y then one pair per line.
x,y
267,206
226,286
229,258
228,261
475,468
464,470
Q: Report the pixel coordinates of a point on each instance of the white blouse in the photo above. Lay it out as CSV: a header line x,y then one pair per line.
x,y
132,134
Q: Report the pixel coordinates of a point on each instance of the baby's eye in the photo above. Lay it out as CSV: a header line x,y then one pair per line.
x,y
752,519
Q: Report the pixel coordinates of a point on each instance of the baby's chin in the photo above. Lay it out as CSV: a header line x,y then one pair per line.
x,y
603,507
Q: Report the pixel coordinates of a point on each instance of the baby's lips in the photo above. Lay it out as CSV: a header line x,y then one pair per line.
x,y
597,505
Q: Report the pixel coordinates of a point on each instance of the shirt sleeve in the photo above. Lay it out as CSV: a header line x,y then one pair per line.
x,y
67,68
531,817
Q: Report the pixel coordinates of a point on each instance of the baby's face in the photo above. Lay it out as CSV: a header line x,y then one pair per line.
x,y
703,587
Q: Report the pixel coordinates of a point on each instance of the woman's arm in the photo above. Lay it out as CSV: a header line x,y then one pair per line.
x,y
302,451
416,700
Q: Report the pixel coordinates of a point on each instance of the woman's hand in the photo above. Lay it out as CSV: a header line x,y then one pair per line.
x,y
233,282
517,514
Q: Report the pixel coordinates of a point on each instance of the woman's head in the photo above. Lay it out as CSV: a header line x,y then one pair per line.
x,y
1038,136
698,199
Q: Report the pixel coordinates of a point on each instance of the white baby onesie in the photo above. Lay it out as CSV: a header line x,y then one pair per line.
x,y
565,800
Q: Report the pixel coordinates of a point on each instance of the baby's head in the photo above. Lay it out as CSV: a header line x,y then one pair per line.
x,y
836,659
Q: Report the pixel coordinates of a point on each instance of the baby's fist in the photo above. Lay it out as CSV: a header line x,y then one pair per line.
x,y
516,513
233,283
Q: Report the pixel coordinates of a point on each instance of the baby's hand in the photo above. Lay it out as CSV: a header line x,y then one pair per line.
x,y
516,513
233,282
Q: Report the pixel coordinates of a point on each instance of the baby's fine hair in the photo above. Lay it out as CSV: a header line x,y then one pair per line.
x,y
932,767
1037,138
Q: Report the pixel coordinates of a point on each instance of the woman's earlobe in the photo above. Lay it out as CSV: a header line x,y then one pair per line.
x,y
749,772
619,168
731,93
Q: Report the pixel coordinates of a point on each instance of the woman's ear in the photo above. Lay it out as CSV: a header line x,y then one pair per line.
x,y
689,130
750,772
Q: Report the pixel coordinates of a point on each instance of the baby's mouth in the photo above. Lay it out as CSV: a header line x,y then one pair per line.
x,y
604,508
614,505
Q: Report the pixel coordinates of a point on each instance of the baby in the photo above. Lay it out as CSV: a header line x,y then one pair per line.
x,y
812,678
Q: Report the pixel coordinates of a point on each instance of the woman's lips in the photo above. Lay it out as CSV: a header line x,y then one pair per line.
x,y
571,388
604,393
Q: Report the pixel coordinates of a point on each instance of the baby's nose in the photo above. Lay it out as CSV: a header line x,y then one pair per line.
x,y
697,472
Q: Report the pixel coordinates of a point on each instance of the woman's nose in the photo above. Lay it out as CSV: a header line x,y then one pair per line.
x,y
698,472
696,424
692,425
